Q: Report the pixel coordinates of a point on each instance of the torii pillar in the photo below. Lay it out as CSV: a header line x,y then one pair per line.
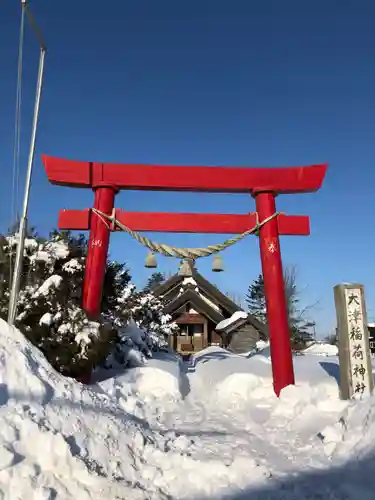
x,y
264,184
98,245
274,286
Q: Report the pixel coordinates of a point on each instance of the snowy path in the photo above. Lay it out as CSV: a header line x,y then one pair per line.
x,y
220,427
221,433
214,429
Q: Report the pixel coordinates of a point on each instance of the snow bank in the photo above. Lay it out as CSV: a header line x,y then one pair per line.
x,y
61,440
352,436
235,434
144,389
322,349
57,439
172,430
253,430
240,386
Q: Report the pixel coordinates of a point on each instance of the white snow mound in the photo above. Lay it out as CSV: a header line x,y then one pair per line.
x,y
322,349
61,440
199,430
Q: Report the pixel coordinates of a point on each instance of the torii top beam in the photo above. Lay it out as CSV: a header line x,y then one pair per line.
x,y
84,174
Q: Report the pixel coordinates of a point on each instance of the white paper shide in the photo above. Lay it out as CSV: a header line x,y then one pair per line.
x,y
358,350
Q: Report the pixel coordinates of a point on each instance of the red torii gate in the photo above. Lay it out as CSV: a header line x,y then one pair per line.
x,y
264,184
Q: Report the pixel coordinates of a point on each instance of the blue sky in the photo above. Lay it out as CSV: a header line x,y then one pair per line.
x,y
264,83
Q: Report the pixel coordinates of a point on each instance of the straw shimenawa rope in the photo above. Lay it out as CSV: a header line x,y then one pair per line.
x,y
171,251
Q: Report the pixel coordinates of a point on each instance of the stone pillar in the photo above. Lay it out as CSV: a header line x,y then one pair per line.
x,y
356,378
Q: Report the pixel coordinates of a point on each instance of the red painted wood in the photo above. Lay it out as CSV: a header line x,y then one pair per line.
x,y
190,319
74,220
277,317
298,225
97,253
171,178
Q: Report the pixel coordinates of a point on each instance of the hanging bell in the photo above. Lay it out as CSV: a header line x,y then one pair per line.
x,y
185,269
217,264
151,261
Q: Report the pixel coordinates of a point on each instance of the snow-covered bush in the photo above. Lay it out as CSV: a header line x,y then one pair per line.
x,y
49,306
141,326
7,260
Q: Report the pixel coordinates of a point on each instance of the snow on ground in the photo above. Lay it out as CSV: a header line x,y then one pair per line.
x,y
58,439
154,386
322,349
233,430
208,429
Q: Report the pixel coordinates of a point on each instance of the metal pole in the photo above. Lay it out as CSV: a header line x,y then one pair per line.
x,y
23,220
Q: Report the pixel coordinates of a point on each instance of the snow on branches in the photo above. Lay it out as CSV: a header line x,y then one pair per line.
x,y
141,326
49,302
50,313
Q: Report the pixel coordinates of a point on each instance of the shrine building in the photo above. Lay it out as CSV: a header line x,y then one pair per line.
x,y
206,317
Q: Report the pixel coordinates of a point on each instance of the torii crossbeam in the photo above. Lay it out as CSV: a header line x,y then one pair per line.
x,y
264,184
